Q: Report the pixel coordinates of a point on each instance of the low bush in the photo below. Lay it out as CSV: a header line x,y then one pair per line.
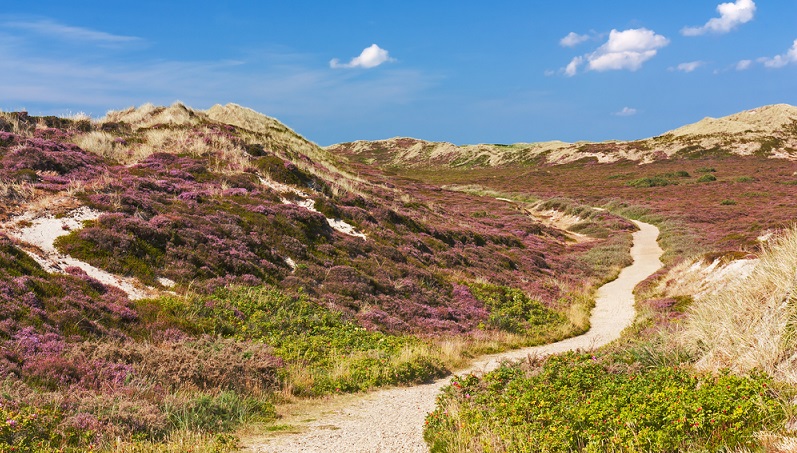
x,y
513,311
650,181
708,177
574,402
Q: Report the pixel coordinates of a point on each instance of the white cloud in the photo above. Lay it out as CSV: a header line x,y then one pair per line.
x,y
731,16
572,67
370,57
688,66
743,65
779,61
626,111
627,49
51,28
573,39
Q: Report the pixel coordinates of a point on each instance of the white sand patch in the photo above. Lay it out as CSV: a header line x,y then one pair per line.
x,y
308,203
166,282
765,237
280,187
698,279
558,218
345,228
41,231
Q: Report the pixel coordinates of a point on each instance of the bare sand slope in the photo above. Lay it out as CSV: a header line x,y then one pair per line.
x,y
392,420
41,230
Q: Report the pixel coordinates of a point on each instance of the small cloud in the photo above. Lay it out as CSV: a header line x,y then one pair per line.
x,y
627,49
626,111
572,67
689,66
573,39
744,65
370,57
779,61
731,16
51,28
550,73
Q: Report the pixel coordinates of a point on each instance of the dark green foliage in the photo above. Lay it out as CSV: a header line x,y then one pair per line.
x,y
708,177
282,171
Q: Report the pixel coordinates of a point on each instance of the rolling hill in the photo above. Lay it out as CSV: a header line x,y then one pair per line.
x,y
769,131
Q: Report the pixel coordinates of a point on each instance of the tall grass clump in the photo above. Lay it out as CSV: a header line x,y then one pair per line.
x,y
751,325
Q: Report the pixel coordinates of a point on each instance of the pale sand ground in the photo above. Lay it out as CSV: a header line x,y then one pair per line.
x,y
41,231
392,420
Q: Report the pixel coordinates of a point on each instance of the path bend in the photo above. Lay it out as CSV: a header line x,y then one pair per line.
x,y
391,420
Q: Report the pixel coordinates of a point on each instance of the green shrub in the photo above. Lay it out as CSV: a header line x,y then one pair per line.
x,y
708,177
706,170
574,403
25,428
677,174
745,179
727,202
650,181
511,310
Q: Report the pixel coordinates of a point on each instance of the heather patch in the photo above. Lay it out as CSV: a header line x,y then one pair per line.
x,y
47,164
762,204
170,217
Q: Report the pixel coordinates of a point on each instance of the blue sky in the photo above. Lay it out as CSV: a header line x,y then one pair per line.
x,y
464,71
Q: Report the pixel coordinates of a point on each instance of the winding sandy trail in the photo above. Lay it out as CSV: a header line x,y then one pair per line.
x,y
392,420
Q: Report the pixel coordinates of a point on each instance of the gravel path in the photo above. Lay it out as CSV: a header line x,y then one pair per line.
x,y
392,420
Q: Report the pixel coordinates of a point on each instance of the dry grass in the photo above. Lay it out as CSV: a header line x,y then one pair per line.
x,y
16,191
149,115
179,442
100,143
17,127
751,324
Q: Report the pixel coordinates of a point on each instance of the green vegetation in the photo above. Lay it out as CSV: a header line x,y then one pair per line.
x,y
578,402
651,181
708,177
513,311
324,352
